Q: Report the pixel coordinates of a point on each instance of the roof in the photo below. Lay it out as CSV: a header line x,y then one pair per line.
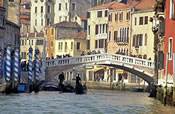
x,y
23,21
40,34
67,24
146,4
118,5
83,17
101,6
138,4
112,5
24,16
78,35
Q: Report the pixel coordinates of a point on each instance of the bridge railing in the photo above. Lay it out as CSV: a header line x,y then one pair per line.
x,y
99,57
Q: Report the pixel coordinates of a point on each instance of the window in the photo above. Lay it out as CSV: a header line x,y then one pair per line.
x,y
146,19
11,0
35,22
78,45
116,17
35,9
141,21
51,43
99,14
115,36
89,30
106,13
39,42
65,45
135,20
101,43
23,55
48,9
96,43
65,6
72,45
127,35
134,38
48,21
128,16
96,29
110,17
88,14
171,13
109,35
41,9
59,8
88,44
73,6
65,18
121,16
146,39
52,31
60,19
170,48
41,22
141,39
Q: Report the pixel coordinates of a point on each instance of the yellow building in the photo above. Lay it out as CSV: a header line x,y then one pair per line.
x,y
50,42
72,45
35,40
57,31
97,27
142,41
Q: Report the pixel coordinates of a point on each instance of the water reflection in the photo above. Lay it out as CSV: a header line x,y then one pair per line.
x,y
96,102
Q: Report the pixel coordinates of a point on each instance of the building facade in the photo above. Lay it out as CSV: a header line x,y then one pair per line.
x,y
169,39
25,17
119,29
97,27
57,31
72,45
34,40
13,10
42,14
142,36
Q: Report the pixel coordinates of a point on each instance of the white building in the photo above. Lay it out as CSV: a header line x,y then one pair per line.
x,y
48,12
42,14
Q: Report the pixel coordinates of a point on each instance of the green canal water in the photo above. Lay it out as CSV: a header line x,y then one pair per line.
x,y
94,102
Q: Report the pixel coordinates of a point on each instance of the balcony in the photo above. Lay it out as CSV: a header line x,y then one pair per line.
x,y
101,36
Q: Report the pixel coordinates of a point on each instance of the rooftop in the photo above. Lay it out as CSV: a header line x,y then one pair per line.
x,y
78,35
67,24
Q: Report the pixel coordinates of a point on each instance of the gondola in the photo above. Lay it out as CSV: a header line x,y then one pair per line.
x,y
80,89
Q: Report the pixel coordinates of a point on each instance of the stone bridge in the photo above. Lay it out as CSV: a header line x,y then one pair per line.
x,y
141,67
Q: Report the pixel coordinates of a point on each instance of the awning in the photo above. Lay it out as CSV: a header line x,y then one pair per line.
x,y
96,68
119,71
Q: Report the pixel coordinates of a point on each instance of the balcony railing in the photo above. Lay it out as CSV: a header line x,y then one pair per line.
x,y
101,36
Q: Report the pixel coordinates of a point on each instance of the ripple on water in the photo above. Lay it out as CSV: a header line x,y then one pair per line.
x,y
98,102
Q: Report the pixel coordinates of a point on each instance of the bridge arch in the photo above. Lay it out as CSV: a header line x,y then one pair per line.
x,y
140,67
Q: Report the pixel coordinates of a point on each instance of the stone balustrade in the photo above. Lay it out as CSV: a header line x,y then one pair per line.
x,y
100,57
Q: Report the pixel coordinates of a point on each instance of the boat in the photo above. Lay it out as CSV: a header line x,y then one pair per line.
x,y
137,90
80,89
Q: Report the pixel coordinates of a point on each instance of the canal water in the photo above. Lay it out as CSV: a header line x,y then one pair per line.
x,y
94,102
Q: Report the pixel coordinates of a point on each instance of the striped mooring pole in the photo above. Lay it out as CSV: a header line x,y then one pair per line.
x,y
16,63
30,66
37,65
0,61
8,62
